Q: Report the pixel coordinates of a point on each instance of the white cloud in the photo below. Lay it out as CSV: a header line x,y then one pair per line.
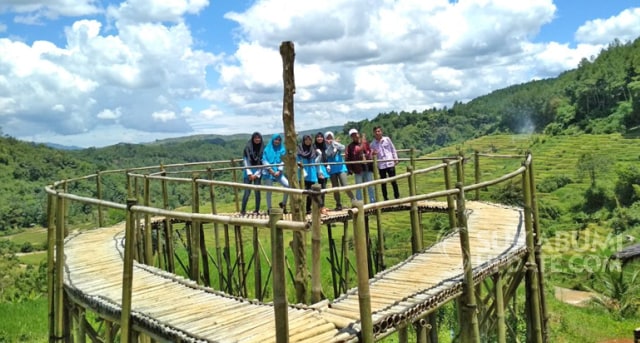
x,y
623,26
135,11
163,116
134,66
33,11
109,114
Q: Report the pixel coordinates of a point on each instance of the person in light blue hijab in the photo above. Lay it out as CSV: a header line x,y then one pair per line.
x,y
274,172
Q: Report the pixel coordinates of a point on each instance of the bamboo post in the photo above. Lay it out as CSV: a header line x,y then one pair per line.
x,y
194,241
51,267
99,195
234,173
216,233
59,277
460,167
364,296
533,291
538,250
421,331
138,239
66,209
287,52
471,331
416,233
82,328
402,335
316,240
451,207
280,304
242,282
128,184
499,294
257,265
412,158
380,246
168,226
416,244
344,253
204,255
127,274
148,240
108,334
432,320
227,256
476,165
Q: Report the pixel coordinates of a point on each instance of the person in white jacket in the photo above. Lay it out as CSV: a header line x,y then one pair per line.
x,y
383,148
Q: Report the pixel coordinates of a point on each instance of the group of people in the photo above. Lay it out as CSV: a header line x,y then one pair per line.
x,y
321,159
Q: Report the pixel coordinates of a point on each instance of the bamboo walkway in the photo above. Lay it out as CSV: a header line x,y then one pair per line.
x,y
179,308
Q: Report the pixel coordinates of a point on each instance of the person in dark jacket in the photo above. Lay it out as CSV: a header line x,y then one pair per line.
x,y
252,157
359,150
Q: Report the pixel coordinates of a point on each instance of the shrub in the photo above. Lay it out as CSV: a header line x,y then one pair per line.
x,y
625,218
627,188
596,198
553,183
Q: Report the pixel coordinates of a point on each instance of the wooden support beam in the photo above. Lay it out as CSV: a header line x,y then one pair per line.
x,y
279,282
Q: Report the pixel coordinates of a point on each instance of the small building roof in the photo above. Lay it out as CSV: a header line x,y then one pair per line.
x,y
627,254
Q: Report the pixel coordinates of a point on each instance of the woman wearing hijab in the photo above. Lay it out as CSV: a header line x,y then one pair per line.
x,y
252,157
337,169
272,156
323,173
359,151
306,155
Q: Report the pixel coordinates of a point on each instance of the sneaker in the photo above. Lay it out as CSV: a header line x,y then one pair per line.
x,y
339,207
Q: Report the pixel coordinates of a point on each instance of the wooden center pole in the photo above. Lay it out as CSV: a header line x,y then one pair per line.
x,y
287,51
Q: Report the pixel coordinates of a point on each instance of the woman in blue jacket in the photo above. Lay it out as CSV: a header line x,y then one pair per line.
x,y
272,157
306,155
337,171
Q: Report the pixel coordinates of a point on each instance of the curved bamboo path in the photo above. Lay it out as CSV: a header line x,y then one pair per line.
x,y
178,309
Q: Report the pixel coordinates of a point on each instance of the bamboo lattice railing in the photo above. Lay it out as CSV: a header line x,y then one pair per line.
x,y
386,302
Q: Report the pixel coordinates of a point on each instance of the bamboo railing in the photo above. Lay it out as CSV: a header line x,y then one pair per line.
x,y
142,211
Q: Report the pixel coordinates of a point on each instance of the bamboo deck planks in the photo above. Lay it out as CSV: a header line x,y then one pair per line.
x,y
94,260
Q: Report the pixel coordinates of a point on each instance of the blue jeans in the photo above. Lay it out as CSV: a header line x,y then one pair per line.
x,y
268,181
247,192
365,176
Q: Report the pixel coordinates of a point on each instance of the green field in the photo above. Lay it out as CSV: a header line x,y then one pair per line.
x,y
554,158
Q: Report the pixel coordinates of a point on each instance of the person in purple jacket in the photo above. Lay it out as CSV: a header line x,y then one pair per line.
x,y
383,147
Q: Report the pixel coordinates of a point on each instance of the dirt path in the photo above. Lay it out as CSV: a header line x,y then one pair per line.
x,y
573,297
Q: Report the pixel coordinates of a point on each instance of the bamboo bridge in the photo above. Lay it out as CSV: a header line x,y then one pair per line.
x,y
209,275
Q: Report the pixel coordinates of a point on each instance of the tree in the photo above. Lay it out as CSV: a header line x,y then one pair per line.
x,y
592,166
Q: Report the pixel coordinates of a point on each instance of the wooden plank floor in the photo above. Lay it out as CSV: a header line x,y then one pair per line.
x,y
179,307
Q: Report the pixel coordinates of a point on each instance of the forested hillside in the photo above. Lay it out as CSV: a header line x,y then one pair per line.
x,y
602,95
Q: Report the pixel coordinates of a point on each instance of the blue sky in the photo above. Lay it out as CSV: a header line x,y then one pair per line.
x,y
100,72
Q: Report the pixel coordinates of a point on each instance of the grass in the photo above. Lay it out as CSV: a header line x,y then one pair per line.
x,y
24,322
34,258
35,236
553,156
585,324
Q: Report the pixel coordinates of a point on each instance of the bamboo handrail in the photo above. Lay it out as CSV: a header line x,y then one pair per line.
x,y
195,219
